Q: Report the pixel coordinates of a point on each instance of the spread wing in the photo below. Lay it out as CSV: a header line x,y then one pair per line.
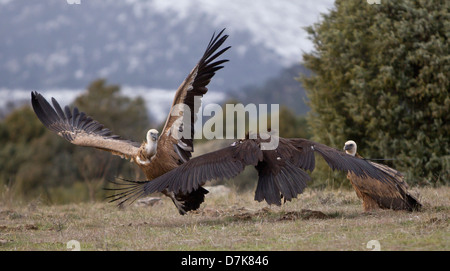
x,y
278,175
80,129
339,160
182,115
189,176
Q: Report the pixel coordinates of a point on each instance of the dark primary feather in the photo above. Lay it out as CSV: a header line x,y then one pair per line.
x,y
78,128
225,163
279,174
338,160
206,70
192,89
288,181
128,191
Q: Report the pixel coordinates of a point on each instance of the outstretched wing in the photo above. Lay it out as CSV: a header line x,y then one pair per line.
x,y
278,175
225,163
80,129
182,115
338,160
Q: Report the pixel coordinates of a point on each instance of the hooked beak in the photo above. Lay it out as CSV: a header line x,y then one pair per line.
x,y
348,147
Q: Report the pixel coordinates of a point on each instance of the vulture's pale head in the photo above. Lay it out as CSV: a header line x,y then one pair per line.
x,y
152,135
350,147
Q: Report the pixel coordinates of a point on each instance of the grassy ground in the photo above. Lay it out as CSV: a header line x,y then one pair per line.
x,y
318,220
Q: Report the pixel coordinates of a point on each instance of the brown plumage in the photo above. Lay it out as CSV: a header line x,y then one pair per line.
x,y
375,194
281,172
158,155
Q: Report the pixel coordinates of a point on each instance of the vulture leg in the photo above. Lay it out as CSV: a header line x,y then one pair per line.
x,y
369,204
186,202
177,203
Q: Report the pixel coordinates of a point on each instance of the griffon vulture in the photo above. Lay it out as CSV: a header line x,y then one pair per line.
x,y
158,154
375,194
281,171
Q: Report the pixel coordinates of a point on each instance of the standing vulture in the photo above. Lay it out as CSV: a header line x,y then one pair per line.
x,y
159,154
376,194
281,171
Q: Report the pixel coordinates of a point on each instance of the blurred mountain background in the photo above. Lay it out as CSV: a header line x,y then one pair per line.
x,y
148,48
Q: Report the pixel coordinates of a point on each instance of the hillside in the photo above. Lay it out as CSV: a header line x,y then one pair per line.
x,y
50,44
283,88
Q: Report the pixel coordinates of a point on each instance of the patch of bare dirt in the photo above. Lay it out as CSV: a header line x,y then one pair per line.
x,y
26,227
304,214
244,213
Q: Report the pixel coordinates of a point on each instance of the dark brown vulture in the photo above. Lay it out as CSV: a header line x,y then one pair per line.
x,y
157,155
281,171
375,194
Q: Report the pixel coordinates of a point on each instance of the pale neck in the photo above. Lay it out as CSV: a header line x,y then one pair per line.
x,y
151,147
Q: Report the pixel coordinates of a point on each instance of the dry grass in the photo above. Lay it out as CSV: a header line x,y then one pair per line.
x,y
318,220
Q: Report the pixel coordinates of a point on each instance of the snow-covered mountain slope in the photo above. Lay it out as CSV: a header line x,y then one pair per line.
x,y
50,44
148,47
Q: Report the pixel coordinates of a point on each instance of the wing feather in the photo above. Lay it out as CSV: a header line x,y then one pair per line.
x,y
222,164
386,195
279,176
193,87
338,160
79,129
